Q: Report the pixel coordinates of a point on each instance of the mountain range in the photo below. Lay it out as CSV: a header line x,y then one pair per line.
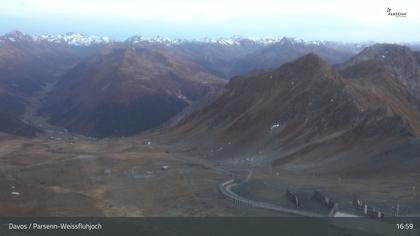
x,y
132,85
89,124
98,87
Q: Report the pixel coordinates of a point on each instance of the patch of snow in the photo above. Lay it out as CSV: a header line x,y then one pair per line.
x,y
15,193
154,40
275,125
228,42
343,214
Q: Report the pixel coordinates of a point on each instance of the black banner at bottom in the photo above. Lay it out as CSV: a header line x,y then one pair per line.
x,y
213,226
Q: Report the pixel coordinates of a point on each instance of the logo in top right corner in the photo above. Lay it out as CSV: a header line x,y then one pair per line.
x,y
396,13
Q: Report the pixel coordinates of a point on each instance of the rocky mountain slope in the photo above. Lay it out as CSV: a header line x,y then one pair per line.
x,y
399,61
307,110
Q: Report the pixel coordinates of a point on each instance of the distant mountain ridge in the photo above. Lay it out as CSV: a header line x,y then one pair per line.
x,y
75,39
225,57
78,39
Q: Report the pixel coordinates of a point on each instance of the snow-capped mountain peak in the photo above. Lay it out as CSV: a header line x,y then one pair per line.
x,y
75,39
17,36
153,40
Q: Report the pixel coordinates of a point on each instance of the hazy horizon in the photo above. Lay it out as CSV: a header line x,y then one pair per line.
x,y
351,21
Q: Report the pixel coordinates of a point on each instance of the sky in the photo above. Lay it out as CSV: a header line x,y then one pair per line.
x,y
350,21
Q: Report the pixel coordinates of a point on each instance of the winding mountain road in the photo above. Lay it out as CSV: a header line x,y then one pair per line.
x,y
226,189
